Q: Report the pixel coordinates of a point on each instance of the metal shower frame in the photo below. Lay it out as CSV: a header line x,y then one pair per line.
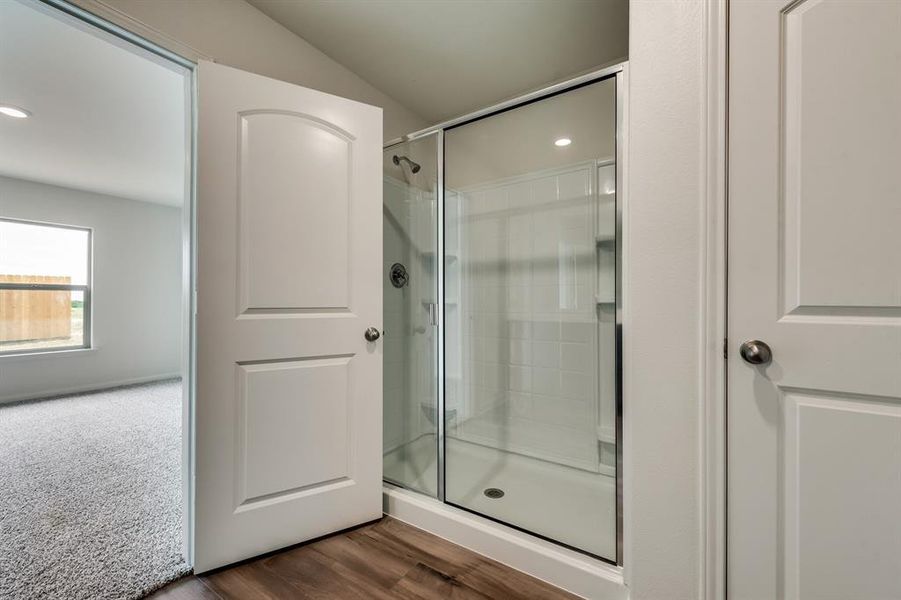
x,y
619,72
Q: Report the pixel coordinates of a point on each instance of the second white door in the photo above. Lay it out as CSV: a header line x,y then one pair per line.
x,y
814,434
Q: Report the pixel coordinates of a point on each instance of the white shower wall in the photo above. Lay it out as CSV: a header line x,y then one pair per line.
x,y
536,288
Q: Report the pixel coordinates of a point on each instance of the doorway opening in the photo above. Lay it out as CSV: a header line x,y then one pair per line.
x,y
95,322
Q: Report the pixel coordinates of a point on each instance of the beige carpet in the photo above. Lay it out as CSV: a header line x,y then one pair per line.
x,y
90,494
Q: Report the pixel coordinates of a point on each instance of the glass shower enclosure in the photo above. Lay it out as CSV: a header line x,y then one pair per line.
x,y
410,257
502,249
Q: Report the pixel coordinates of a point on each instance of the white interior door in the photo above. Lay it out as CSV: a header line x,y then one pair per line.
x,y
289,393
814,437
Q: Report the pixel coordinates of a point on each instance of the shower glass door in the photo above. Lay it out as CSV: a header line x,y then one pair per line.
x,y
410,186
530,240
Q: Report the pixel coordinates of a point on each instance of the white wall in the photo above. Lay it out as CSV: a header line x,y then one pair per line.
x,y
665,289
137,315
530,275
236,34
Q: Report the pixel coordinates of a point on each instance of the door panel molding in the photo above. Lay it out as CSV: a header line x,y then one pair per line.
x,y
835,479
847,227
272,223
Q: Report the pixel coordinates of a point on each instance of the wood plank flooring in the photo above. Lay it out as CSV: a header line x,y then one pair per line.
x,y
384,559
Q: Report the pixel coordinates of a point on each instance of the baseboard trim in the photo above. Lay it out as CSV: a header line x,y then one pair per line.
x,y
566,569
95,387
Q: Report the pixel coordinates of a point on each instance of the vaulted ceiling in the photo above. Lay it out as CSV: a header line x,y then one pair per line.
x,y
444,58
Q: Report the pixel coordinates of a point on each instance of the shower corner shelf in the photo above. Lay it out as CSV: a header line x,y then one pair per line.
x,y
606,435
448,258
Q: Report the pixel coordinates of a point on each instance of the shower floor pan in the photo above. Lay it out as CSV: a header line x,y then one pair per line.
x,y
571,506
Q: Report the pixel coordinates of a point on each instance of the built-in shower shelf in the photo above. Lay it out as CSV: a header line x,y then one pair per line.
x,y
605,240
450,303
448,258
606,435
604,300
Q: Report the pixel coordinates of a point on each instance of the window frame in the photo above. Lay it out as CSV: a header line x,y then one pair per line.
x,y
86,289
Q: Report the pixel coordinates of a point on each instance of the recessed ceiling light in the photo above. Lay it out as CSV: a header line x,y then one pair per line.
x,y
14,111
563,142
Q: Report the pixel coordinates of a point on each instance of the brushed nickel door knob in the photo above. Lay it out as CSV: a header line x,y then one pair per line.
x,y
372,334
756,352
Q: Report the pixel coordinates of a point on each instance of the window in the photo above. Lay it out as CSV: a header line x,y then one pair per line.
x,y
45,287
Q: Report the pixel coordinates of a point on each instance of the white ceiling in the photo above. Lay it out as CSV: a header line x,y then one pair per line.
x,y
105,118
521,141
444,58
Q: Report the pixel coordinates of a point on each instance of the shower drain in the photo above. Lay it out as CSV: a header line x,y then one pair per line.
x,y
494,493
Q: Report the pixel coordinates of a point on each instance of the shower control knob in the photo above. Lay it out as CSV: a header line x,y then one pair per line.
x,y
372,334
756,352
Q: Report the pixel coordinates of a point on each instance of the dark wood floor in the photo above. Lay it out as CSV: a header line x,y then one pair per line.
x,y
385,559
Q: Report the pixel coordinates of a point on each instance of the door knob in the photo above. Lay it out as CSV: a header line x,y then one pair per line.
x,y
372,334
756,352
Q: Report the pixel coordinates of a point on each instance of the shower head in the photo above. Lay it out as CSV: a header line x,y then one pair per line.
x,y
414,167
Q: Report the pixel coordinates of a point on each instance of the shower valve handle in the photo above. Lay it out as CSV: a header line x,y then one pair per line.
x,y
372,334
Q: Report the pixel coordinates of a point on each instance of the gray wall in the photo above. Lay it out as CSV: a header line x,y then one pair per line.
x,y
236,34
665,291
137,316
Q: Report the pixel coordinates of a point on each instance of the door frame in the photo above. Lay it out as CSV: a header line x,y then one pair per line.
x,y
99,16
714,305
